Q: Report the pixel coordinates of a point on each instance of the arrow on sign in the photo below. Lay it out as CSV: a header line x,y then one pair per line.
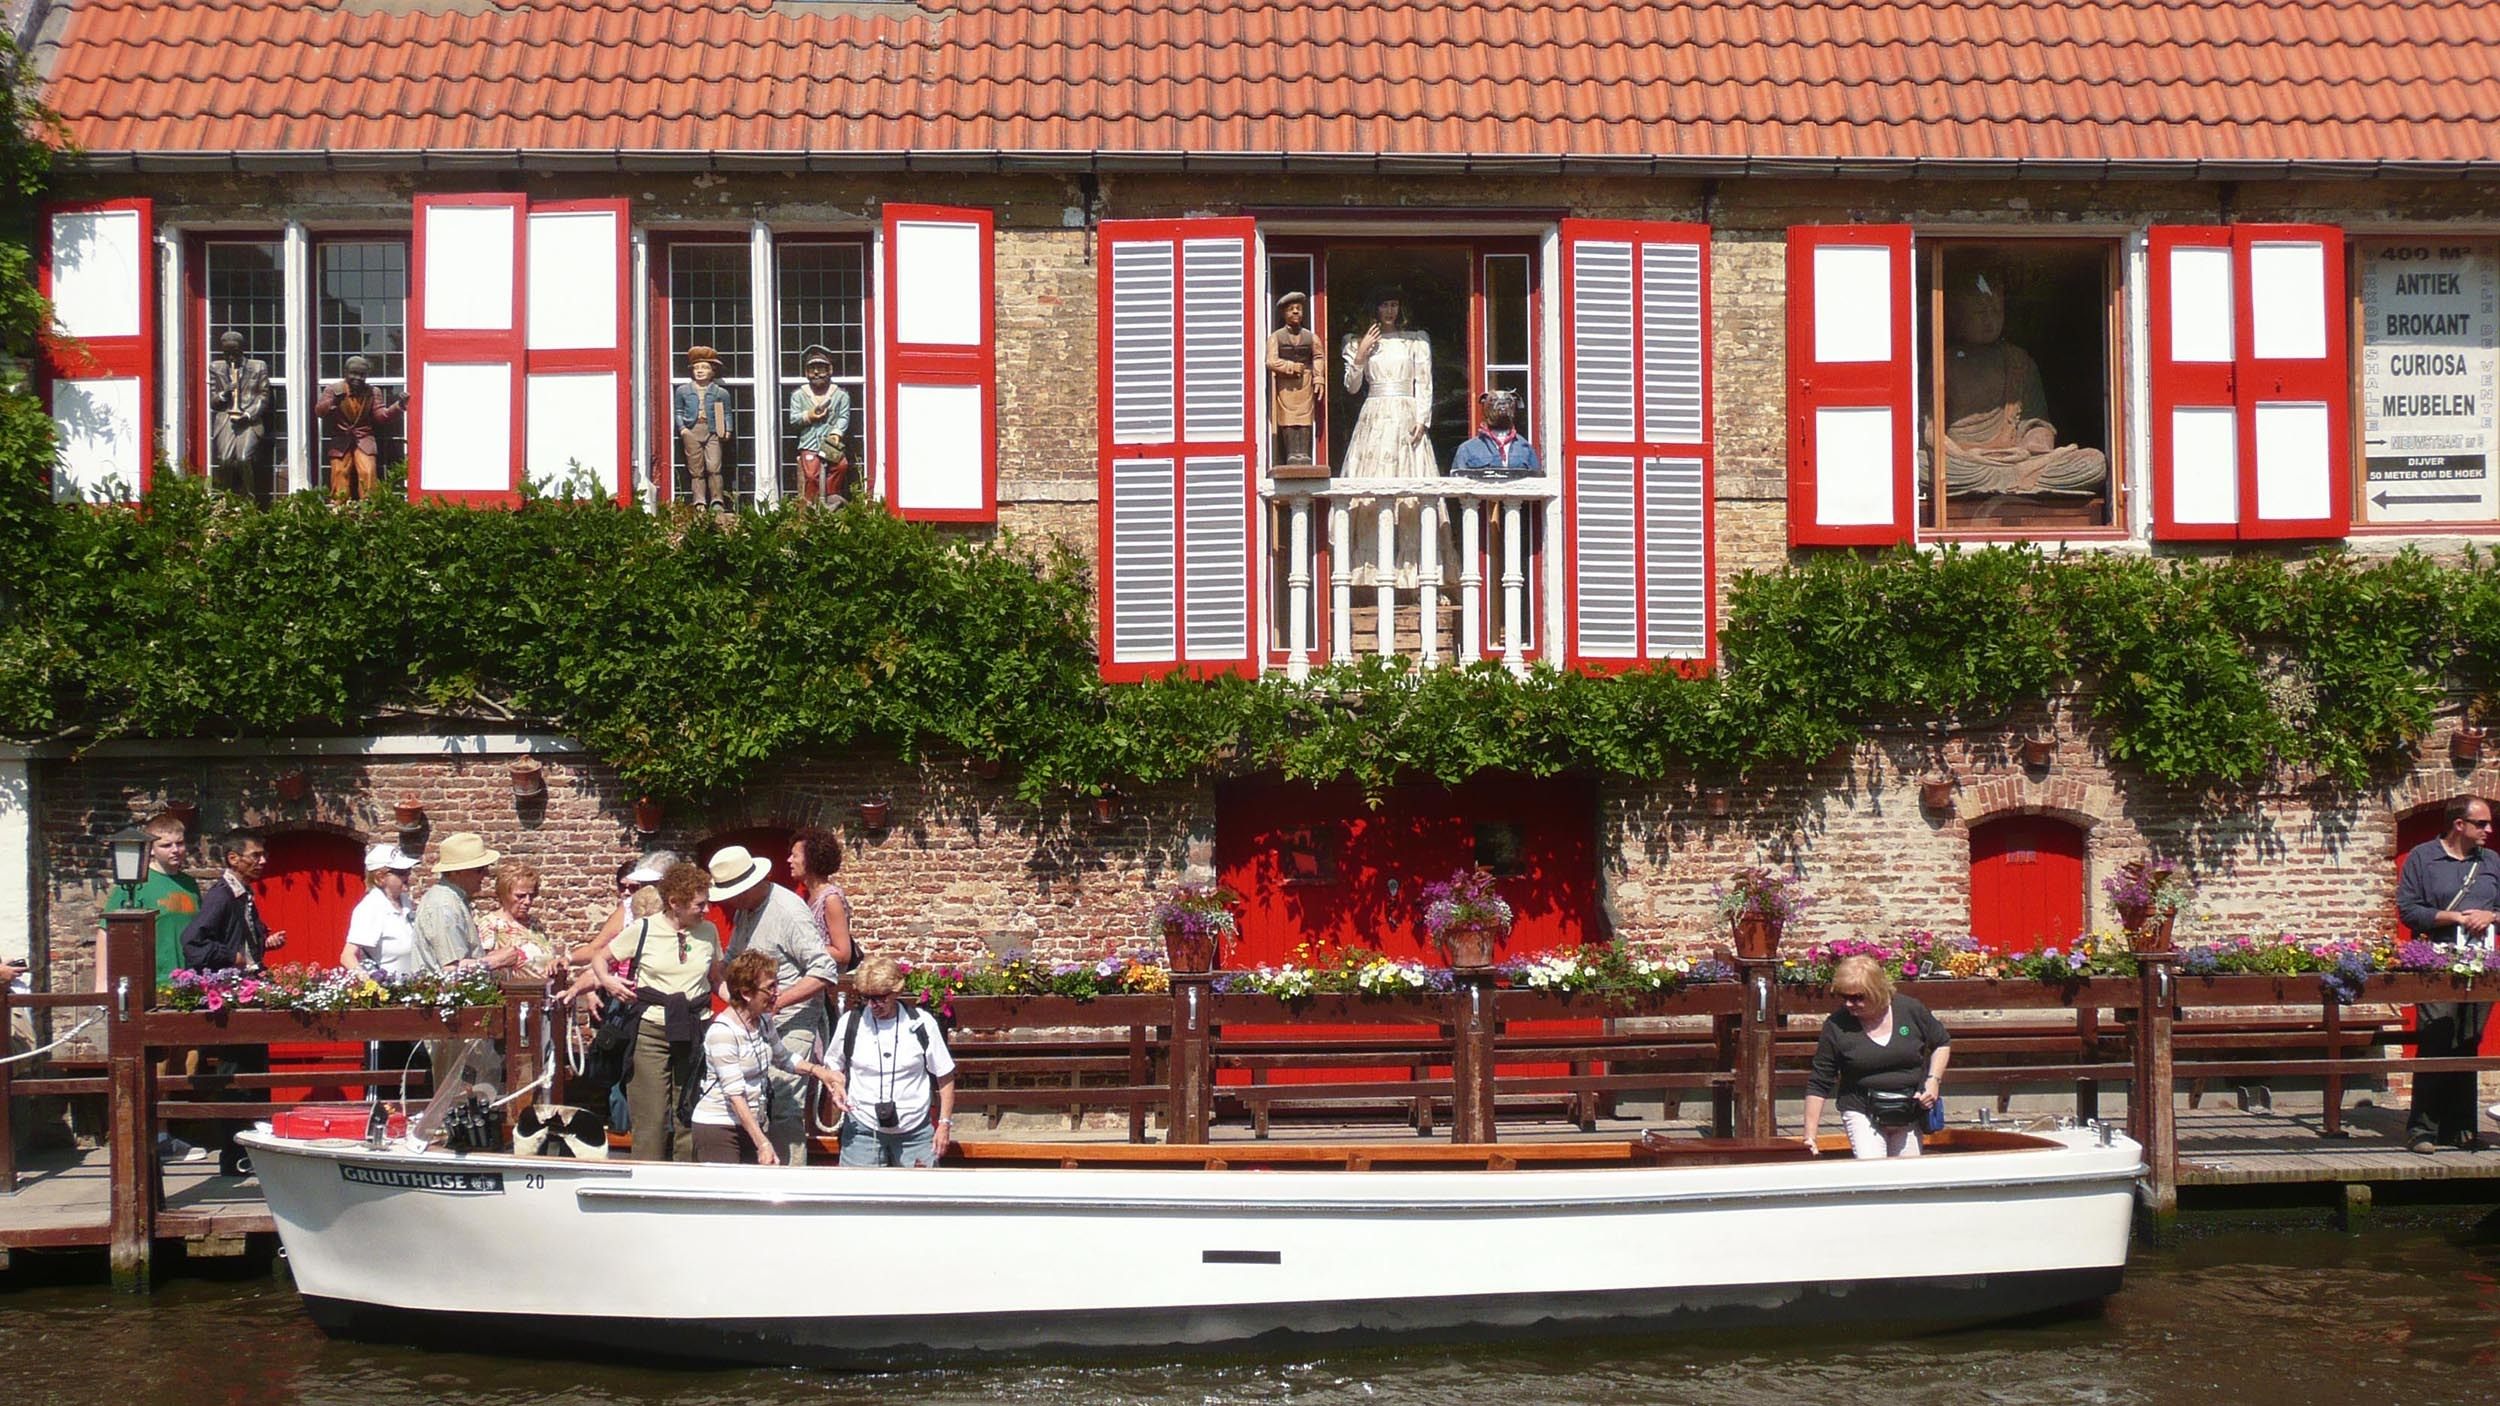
x,y
2384,498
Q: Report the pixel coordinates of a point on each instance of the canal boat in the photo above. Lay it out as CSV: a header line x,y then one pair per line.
x,y
1078,1249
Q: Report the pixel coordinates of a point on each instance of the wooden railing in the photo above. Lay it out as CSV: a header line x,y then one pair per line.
x,y
1467,1050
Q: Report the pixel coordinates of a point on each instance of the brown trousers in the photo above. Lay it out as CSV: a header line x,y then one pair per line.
x,y
367,475
703,466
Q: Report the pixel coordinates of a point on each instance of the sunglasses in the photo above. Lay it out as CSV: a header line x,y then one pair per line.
x,y
1854,998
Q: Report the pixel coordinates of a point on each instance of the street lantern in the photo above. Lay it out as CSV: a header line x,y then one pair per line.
x,y
130,861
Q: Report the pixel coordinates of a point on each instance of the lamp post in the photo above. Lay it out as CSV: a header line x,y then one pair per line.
x,y
130,863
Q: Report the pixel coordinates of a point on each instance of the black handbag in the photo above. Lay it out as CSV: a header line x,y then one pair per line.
x,y
609,1059
1886,1109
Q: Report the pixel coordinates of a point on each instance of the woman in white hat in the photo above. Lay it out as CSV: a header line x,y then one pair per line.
x,y
381,929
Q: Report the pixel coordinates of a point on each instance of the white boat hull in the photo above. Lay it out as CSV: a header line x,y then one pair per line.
x,y
821,1266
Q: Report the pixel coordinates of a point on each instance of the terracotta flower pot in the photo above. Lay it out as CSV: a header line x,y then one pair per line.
x,y
529,778
987,768
1936,793
873,812
1471,944
1718,804
409,812
188,812
2146,933
1106,811
2039,751
1757,937
647,814
294,786
2466,744
1187,952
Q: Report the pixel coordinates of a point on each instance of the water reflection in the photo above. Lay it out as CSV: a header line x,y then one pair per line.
x,y
2280,1317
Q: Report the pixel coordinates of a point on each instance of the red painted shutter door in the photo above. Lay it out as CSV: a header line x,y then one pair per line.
x,y
466,348
1178,534
576,399
97,265
2193,305
940,364
1850,479
2026,883
312,883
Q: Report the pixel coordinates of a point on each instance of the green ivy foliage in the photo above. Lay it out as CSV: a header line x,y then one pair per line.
x,y
697,655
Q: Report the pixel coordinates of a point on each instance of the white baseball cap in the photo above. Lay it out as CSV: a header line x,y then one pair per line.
x,y
388,857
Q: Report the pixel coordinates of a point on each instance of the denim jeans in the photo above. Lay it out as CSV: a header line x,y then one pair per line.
x,y
866,1147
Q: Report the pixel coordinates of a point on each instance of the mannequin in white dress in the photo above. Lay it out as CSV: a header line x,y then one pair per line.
x,y
1391,364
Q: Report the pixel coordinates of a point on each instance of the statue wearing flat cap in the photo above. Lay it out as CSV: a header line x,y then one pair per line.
x,y
1293,380
821,413
352,413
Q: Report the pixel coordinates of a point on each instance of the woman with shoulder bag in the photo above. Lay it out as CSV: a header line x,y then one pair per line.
x,y
1882,1058
665,991
739,1049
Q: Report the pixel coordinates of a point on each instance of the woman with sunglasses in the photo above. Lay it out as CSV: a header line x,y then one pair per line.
x,y
739,1051
1881,1058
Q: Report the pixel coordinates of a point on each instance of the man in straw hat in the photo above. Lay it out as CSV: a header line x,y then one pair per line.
x,y
765,917
446,930
351,414
704,416
821,412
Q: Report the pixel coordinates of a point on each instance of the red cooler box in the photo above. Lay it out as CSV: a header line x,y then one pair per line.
x,y
312,1122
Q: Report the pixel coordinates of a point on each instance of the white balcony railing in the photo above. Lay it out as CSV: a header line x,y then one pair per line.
x,y
1491,527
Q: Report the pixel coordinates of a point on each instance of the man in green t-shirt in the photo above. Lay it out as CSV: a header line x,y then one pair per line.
x,y
175,896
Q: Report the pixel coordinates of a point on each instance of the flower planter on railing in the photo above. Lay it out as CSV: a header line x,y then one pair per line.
x,y
259,1027
1025,1012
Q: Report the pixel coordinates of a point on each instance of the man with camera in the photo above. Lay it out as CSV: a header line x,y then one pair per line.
x,y
891,1066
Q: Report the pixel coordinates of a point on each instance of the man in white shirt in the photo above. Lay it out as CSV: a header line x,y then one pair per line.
x,y
892,1070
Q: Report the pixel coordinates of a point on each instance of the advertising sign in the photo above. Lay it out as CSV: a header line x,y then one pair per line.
x,y
2430,374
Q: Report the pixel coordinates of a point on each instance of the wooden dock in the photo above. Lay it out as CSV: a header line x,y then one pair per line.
x,y
64,1200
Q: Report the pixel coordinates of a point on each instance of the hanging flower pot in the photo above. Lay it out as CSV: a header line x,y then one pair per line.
x,y
187,812
2149,933
873,812
1186,951
1106,808
2466,744
2149,895
529,778
1758,904
1472,944
1936,793
647,814
2039,751
987,768
1718,804
1467,915
409,813
294,786
1195,919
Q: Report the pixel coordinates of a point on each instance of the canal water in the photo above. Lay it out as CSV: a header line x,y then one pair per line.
x,y
2273,1316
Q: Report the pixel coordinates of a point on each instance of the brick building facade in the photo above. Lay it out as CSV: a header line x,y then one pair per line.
x,y
2096,224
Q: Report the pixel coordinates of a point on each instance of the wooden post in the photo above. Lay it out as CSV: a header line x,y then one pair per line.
x,y
1472,1026
1193,1059
1757,1038
1723,1060
2152,1112
2332,1124
130,961
523,1010
8,1071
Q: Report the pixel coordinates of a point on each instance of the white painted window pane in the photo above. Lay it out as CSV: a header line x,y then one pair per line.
x,y
937,439
1852,303
571,420
2287,295
1853,466
102,438
2292,460
937,275
464,422
2200,304
2204,464
572,285
95,273
468,268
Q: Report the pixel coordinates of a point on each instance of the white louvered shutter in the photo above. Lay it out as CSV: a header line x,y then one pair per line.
x,y
1636,451
1178,590
97,375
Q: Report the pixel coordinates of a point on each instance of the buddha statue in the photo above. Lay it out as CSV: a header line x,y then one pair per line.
x,y
1997,434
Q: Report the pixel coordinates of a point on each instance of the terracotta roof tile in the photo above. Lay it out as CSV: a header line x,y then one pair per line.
x,y
2120,80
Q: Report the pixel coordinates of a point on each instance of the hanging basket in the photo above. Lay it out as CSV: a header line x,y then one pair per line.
x,y
529,778
1471,944
2146,933
409,813
874,812
2466,744
1187,952
1757,937
2039,751
294,786
647,813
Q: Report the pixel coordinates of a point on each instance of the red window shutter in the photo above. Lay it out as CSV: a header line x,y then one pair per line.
x,y
578,388
1850,357
1177,527
97,266
466,347
1637,439
2251,390
940,365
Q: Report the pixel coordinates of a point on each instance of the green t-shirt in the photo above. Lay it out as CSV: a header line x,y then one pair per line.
x,y
176,899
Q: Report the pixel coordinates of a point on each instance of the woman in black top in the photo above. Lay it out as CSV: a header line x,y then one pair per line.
x,y
1883,1044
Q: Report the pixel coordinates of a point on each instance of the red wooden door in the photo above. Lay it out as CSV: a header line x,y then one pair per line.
x,y
1320,873
313,881
2026,883
2418,828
